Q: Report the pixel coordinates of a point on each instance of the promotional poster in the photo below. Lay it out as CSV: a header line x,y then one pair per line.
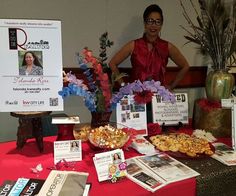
x,y
31,65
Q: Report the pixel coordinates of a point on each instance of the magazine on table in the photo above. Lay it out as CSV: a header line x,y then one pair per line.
x,y
61,183
224,154
155,171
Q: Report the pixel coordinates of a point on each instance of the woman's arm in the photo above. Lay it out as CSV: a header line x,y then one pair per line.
x,y
177,57
120,56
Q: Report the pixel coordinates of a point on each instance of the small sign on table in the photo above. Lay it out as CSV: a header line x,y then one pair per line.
x,y
165,112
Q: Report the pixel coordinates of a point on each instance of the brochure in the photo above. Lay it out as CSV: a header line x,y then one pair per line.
x,y
224,154
110,165
70,150
60,183
155,171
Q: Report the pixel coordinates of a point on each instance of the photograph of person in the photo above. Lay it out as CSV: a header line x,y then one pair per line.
x,y
116,158
31,64
74,147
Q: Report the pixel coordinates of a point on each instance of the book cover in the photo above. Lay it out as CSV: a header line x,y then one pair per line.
x,y
60,183
6,187
18,187
32,187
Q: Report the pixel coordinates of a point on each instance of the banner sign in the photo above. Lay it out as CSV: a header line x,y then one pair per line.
x,y
170,113
31,65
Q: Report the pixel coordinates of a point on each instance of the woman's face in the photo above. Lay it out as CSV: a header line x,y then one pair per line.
x,y
116,156
29,59
153,24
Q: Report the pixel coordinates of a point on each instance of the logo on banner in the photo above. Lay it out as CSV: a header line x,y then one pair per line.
x,y
32,103
11,102
15,42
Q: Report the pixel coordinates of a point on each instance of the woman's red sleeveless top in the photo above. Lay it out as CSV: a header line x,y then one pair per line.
x,y
151,64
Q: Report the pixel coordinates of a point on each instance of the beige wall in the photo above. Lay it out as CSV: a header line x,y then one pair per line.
x,y
83,21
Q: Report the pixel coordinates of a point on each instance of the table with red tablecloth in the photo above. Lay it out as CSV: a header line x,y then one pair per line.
x,y
16,163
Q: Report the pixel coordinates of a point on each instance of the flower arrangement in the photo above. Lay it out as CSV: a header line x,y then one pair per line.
x,y
97,93
143,92
215,32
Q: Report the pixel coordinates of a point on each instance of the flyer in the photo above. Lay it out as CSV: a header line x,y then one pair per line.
x,y
31,71
110,165
131,114
70,150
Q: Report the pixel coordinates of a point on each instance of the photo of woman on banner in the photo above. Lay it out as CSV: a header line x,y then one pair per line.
x,y
30,63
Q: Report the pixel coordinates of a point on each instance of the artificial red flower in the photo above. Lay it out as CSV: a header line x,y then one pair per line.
x,y
143,97
153,129
209,105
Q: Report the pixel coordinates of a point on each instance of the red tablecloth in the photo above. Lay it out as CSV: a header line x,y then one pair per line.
x,y
16,163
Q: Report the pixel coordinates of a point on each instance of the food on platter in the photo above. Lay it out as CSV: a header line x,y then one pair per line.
x,y
184,143
81,131
108,137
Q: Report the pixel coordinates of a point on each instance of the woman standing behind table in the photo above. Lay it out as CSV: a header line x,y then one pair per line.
x,y
30,65
149,54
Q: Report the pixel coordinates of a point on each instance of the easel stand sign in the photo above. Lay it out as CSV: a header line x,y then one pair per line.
x,y
167,113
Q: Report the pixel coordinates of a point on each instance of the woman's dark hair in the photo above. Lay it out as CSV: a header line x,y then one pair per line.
x,y
36,60
117,156
74,142
150,9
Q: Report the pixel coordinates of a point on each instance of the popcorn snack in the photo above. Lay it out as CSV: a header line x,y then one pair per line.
x,y
189,145
108,137
81,131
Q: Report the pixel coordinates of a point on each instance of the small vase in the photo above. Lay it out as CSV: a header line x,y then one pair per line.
x,y
219,85
100,119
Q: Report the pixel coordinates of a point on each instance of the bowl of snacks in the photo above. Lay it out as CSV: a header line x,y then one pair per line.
x,y
110,136
81,131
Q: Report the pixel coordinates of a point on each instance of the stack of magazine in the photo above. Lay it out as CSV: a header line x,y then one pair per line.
x,y
155,171
22,186
58,183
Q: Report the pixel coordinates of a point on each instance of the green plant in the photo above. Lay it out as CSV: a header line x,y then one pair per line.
x,y
215,31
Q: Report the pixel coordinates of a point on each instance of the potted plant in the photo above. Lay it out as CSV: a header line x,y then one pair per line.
x,y
215,33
